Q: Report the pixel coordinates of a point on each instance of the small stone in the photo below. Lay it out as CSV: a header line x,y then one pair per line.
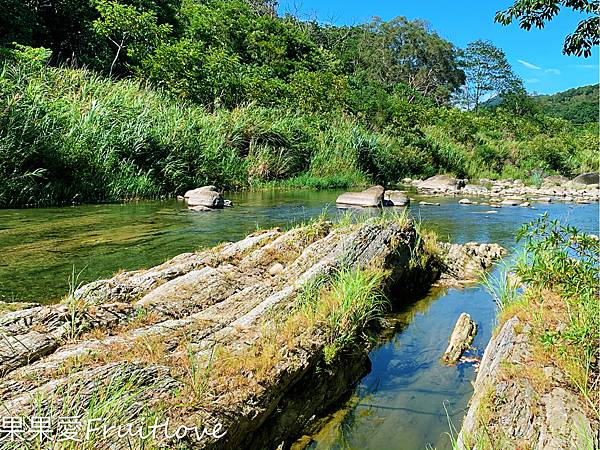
x,y
465,201
276,269
544,199
428,204
227,203
582,201
525,205
509,202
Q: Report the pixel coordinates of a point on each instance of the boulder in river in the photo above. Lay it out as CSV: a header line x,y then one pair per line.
x,y
441,183
587,178
462,336
205,198
396,198
371,197
208,199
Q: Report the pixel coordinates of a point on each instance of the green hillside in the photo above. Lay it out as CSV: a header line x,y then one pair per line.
x,y
579,105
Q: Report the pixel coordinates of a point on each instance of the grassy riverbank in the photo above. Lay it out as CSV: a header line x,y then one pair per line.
x,y
73,136
559,317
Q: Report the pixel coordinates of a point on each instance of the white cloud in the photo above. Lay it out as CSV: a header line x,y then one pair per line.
x,y
553,71
529,65
532,80
587,66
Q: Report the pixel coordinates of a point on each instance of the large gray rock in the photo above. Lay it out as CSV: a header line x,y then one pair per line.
x,y
396,198
367,198
205,196
441,183
587,178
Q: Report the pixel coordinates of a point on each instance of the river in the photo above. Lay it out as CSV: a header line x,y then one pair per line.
x,y
407,399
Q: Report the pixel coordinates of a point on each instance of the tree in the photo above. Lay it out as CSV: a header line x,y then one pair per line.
x,y
408,52
129,28
488,73
538,12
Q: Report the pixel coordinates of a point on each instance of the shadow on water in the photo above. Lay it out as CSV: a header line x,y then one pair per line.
x,y
406,399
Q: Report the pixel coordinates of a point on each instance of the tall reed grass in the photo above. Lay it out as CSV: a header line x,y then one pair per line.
x,y
70,136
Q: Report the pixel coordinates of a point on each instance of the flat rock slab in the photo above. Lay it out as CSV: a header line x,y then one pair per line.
x,y
368,198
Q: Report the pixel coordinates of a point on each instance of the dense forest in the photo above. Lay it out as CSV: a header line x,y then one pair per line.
x,y
110,100
579,105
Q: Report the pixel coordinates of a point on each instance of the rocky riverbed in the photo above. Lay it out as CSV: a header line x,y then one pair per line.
x,y
242,340
582,189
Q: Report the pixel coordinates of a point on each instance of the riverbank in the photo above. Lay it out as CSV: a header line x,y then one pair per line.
x,y
72,136
230,337
537,386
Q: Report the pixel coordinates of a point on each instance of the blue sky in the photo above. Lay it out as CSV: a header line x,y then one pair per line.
x,y
536,55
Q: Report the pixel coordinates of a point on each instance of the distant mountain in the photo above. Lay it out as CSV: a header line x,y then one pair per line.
x,y
579,105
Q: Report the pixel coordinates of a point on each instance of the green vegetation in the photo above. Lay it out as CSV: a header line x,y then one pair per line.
x,y
535,13
579,105
345,308
178,94
560,270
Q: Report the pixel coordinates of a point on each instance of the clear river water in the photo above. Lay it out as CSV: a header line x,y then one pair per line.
x,y
407,399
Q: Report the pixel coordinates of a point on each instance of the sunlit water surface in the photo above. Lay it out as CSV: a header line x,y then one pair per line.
x,y
407,399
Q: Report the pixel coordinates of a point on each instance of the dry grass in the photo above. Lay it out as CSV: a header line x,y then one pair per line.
x,y
546,312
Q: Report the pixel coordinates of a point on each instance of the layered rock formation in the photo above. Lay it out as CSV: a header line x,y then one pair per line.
x,y
226,338
509,410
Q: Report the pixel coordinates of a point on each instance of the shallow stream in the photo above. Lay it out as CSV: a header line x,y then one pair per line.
x,y
404,403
